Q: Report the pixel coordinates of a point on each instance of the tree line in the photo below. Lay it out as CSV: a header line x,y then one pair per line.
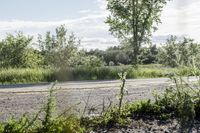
x,y
61,50
174,53
131,21
51,50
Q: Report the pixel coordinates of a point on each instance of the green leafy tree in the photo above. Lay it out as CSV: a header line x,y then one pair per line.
x,y
148,55
16,51
179,53
93,61
134,20
60,49
122,58
32,58
168,54
111,56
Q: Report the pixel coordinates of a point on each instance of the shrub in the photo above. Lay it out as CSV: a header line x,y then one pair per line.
x,y
182,100
49,123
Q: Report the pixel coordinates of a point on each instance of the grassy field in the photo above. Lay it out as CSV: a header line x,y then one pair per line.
x,y
39,75
25,75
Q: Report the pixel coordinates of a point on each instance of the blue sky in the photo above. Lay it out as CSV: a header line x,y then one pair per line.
x,y
44,10
86,18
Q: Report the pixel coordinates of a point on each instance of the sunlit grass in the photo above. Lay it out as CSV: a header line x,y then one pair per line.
x,y
38,75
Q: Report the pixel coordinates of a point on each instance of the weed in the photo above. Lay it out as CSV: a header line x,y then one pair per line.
x,y
122,89
49,123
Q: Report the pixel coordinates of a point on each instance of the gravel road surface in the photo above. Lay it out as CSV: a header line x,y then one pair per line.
x,y
16,100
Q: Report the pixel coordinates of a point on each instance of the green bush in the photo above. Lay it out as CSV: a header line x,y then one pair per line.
x,y
181,101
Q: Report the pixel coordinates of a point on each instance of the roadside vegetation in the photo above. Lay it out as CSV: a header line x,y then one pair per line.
x,y
41,75
179,102
58,56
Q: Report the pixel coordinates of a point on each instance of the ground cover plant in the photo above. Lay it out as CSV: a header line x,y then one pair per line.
x,y
57,55
179,101
45,121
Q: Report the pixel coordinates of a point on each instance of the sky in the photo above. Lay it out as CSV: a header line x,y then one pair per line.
x,y
86,19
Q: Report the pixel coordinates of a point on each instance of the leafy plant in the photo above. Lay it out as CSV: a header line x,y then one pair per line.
x,y
122,89
179,53
16,52
182,100
45,121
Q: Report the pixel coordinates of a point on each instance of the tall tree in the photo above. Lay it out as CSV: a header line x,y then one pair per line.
x,y
60,49
134,20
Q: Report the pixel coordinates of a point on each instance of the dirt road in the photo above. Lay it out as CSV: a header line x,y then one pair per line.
x,y
18,99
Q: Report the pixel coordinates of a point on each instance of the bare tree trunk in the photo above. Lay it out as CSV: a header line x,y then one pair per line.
x,y
134,40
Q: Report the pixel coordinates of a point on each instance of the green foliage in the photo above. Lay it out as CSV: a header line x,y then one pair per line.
x,y
108,119
92,61
111,63
179,53
114,115
107,72
147,108
122,89
112,118
134,20
167,55
14,126
148,55
49,109
124,55
119,56
89,73
60,49
16,52
178,101
32,59
50,123
8,76
182,101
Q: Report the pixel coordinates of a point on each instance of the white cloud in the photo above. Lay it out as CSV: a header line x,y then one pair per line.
x,y
99,42
178,19
91,26
102,4
84,11
181,17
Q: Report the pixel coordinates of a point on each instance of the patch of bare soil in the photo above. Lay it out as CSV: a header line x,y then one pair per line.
x,y
150,126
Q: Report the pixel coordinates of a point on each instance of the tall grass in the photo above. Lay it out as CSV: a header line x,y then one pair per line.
x,y
87,73
25,75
